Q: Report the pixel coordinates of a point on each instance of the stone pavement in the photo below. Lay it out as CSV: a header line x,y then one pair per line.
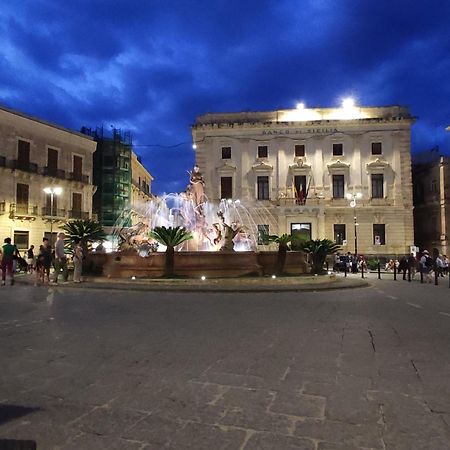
x,y
358,369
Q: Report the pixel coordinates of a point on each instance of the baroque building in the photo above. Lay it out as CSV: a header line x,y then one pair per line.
x,y
141,183
37,155
303,164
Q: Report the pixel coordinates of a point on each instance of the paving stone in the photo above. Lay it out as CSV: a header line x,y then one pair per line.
x,y
299,405
270,441
332,432
351,407
232,379
94,442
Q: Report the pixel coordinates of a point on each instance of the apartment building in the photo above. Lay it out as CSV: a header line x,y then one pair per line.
x,y
36,155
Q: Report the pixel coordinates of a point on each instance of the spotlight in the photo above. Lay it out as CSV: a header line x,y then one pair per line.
x,y
194,146
203,278
348,103
273,277
300,105
133,278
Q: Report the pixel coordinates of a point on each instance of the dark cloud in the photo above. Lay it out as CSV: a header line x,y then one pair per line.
x,y
152,67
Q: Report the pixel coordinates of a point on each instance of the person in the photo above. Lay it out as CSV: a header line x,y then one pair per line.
x,y
426,266
440,265
337,262
445,264
403,266
412,264
60,259
30,259
44,262
9,251
77,261
100,248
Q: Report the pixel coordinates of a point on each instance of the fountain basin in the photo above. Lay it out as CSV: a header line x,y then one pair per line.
x,y
197,264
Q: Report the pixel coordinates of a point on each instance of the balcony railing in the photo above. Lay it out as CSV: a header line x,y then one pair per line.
x,y
24,165
82,215
47,212
23,210
2,207
79,177
53,172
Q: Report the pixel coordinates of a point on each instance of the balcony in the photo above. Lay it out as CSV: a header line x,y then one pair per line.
x,y
57,213
79,177
2,207
80,215
23,211
55,173
25,166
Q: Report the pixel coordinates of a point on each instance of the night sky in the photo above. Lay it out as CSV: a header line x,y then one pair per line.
x,y
152,66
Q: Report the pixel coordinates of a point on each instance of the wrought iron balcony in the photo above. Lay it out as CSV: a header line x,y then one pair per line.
x,y
26,166
82,215
79,177
47,212
2,207
23,210
52,172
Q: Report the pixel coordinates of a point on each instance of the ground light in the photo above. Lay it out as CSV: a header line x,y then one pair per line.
x,y
133,278
273,277
203,278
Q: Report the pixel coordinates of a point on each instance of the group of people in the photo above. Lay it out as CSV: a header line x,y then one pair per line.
x,y
43,261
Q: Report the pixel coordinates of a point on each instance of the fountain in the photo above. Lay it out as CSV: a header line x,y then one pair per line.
x,y
225,237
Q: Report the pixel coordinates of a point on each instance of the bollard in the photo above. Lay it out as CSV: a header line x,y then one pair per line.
x,y
362,269
379,270
328,268
409,273
395,272
421,273
436,274
345,270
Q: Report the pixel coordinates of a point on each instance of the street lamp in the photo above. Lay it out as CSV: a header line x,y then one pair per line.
x,y
52,191
353,198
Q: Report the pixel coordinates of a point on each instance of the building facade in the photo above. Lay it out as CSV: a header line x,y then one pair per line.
x,y
431,181
35,155
141,187
302,164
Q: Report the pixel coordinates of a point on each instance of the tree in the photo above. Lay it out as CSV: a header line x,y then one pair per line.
x,y
170,237
283,246
318,250
87,231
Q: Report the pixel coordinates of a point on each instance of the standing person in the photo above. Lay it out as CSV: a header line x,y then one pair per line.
x,y
44,262
8,251
100,248
412,264
445,264
77,261
426,266
60,259
403,266
30,259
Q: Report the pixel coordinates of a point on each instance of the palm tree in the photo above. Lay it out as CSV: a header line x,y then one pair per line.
x,y
87,231
283,246
170,237
318,250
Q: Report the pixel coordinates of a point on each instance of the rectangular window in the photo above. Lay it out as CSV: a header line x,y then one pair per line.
x,y
52,161
77,165
263,188
22,239
434,186
338,186
377,148
300,189
263,232
300,150
226,152
301,231
338,149
262,151
22,194
48,205
226,187
379,234
377,185
339,233
23,155
76,202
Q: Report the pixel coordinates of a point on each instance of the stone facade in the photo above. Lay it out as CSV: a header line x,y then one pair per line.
x,y
35,154
431,175
141,185
301,164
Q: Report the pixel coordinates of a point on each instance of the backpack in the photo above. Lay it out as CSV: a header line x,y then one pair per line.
x,y
428,262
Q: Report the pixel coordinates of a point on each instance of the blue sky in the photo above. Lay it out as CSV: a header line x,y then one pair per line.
x,y
152,66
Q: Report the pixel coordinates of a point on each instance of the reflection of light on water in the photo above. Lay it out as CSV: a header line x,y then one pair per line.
x,y
172,210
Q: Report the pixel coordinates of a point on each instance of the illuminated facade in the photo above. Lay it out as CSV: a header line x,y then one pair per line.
x,y
35,155
301,164
141,186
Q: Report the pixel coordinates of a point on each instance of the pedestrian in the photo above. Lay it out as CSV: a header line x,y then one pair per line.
x,y
8,252
403,266
30,259
445,264
44,262
440,266
426,266
100,248
412,264
60,259
77,261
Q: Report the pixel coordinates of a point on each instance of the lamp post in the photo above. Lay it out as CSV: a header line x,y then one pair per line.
x,y
353,198
52,191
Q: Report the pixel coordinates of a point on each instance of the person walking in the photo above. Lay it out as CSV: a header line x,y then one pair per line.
x,y
44,262
9,251
60,259
77,261
403,267
412,264
30,259
426,266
